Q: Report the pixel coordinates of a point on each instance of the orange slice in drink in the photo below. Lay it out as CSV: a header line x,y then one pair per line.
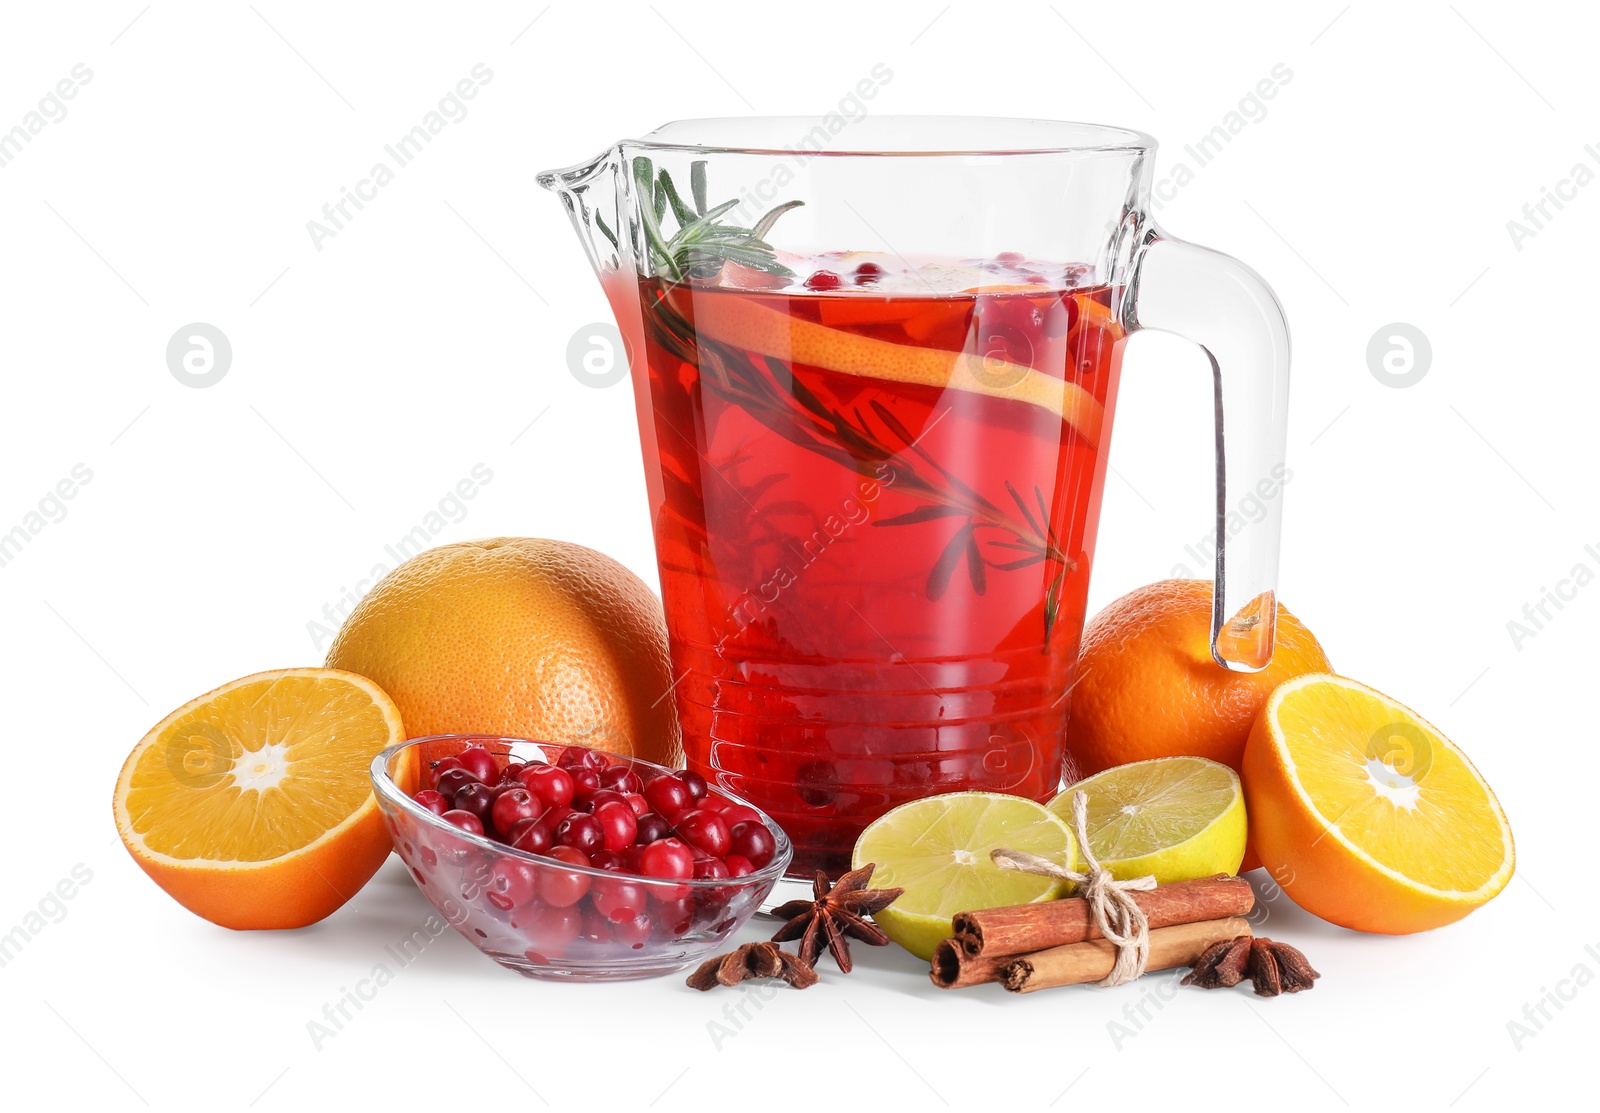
x,y
1365,814
1011,288
252,806
858,309
745,324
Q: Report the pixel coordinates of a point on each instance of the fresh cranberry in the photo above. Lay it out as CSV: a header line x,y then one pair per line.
x,y
514,806
739,813
435,802
1005,342
443,766
651,828
712,802
512,882
532,837
550,783
695,783
512,773
738,865
619,900
553,930
497,791
602,798
468,822
581,832
570,757
1061,317
706,869
823,280
705,830
754,842
674,917
480,763
553,817
585,783
667,858
621,778
634,932
637,803
563,888
477,799
611,860
710,905
452,781
618,825
577,757
596,928
868,274
669,797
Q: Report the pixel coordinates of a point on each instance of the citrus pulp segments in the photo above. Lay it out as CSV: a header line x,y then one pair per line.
x,y
251,805
937,849
1366,814
1173,818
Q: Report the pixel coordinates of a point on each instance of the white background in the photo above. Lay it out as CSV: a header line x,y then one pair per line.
x,y
369,377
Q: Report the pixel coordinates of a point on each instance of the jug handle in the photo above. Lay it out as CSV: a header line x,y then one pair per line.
x,y
1224,307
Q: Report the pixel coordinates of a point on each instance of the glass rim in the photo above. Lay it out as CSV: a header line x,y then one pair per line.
x,y
893,136
384,786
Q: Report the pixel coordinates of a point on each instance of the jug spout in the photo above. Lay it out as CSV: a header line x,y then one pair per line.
x,y
593,195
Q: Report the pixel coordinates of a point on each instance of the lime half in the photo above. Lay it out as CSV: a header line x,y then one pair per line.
x,y
1176,818
937,849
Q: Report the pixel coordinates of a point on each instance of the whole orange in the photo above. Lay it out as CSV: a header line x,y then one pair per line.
x,y
1147,686
519,636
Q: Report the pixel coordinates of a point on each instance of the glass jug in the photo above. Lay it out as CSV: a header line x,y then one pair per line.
x,y
875,365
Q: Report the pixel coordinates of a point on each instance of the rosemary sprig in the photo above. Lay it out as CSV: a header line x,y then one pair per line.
x,y
767,389
702,243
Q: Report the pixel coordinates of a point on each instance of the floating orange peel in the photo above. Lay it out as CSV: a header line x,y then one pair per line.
x,y
743,323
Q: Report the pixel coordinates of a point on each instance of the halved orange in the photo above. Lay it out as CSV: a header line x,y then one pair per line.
x,y
1365,814
252,806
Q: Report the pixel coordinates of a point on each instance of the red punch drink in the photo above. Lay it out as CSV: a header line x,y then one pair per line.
x,y
875,475
874,508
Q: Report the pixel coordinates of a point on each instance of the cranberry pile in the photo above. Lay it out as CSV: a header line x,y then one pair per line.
x,y
583,810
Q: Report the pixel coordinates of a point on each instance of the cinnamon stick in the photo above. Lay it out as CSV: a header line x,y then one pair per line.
x,y
1025,928
954,968
1090,961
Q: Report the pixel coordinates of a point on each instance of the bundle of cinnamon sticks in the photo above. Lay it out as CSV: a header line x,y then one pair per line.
x,y
1055,943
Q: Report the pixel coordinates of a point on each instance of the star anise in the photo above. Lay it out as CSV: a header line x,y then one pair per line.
x,y
753,960
1279,968
836,915
1272,967
1221,965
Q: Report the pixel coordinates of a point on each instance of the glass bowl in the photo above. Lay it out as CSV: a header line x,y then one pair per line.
x,y
494,894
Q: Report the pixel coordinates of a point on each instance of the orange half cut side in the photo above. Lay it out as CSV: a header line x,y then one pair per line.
x,y
1366,814
252,805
